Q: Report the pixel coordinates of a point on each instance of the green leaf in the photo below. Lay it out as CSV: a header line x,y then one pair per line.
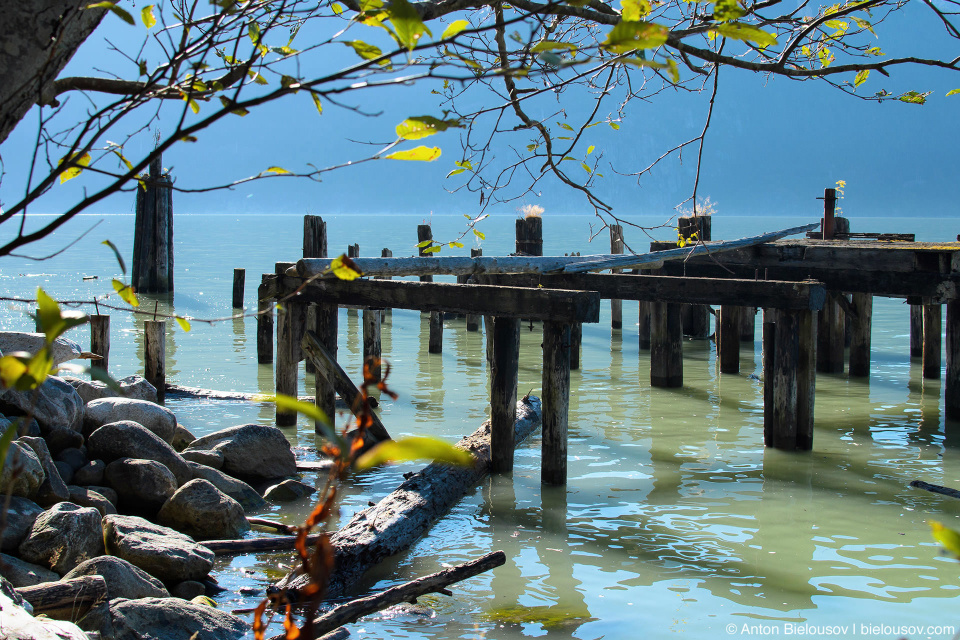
x,y
77,162
38,368
126,293
120,12
550,45
861,77
259,79
146,14
184,324
454,28
434,249
874,51
564,125
367,51
317,103
479,234
419,154
48,314
425,243
615,126
727,10
116,253
231,105
586,167
947,537
407,23
118,151
253,30
424,126
627,36
414,448
825,57
914,97
953,92
290,404
456,245
13,371
143,67
747,33
634,10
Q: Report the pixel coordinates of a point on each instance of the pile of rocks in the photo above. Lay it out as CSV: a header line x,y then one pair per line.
x,y
111,486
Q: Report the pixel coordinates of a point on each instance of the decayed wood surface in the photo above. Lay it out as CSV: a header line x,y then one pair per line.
x,y
407,592
456,266
517,302
328,367
154,356
66,599
397,521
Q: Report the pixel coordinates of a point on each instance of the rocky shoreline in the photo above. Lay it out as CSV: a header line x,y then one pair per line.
x,y
109,485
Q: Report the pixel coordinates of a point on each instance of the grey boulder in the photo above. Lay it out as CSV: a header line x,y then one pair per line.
x,y
162,619
19,623
87,497
123,579
212,459
128,439
63,349
251,451
142,485
53,489
239,490
155,418
160,551
57,404
182,437
135,386
21,515
201,510
288,491
64,536
25,482
21,573
90,473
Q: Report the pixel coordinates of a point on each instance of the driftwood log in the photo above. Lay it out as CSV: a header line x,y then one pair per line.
x,y
397,521
935,488
179,391
67,599
407,592
254,545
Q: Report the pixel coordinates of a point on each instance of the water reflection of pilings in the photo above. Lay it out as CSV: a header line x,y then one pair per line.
x,y
162,304
429,394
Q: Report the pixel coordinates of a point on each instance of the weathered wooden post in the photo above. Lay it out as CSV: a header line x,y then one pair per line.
x,y
287,362
916,331
530,235
932,328
353,251
556,403
326,319
643,325
153,233
728,339
314,237
830,336
748,325
860,334
371,338
473,320
616,247
952,383
787,359
696,317
435,341
576,339
769,337
666,345
503,392
239,279
264,327
155,356
384,313
806,378
100,341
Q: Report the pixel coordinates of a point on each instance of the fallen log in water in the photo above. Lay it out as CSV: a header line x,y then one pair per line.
x,y
254,545
935,488
397,521
407,592
67,599
178,391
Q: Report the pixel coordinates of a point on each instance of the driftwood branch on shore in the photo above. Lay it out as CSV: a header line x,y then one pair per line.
x,y
407,592
935,488
67,599
254,545
271,524
463,266
179,391
397,521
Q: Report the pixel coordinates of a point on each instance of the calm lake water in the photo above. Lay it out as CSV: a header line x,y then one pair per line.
x,y
675,518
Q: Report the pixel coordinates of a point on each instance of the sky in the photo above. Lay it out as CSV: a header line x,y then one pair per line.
x,y
772,148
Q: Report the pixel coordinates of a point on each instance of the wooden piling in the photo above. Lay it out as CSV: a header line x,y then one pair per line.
x,y
916,331
152,270
325,328
616,247
728,339
385,253
314,237
435,340
769,337
860,337
666,345
100,341
285,376
806,378
530,236
353,251
371,338
830,337
503,392
952,383
576,340
695,317
932,328
473,321
785,369
264,328
643,325
748,325
556,403
239,279
155,356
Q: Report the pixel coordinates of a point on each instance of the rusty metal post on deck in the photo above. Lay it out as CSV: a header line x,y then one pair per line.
x,y
556,403
503,392
827,223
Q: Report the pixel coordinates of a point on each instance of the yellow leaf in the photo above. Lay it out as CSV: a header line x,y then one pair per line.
x,y
126,293
146,14
420,154
414,448
454,28
344,269
184,324
634,10
291,404
948,538
77,167
861,77
628,35
953,92
11,370
279,170
317,103
747,33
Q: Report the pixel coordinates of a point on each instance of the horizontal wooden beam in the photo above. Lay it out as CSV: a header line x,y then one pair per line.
x,y
716,291
887,269
514,302
445,266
